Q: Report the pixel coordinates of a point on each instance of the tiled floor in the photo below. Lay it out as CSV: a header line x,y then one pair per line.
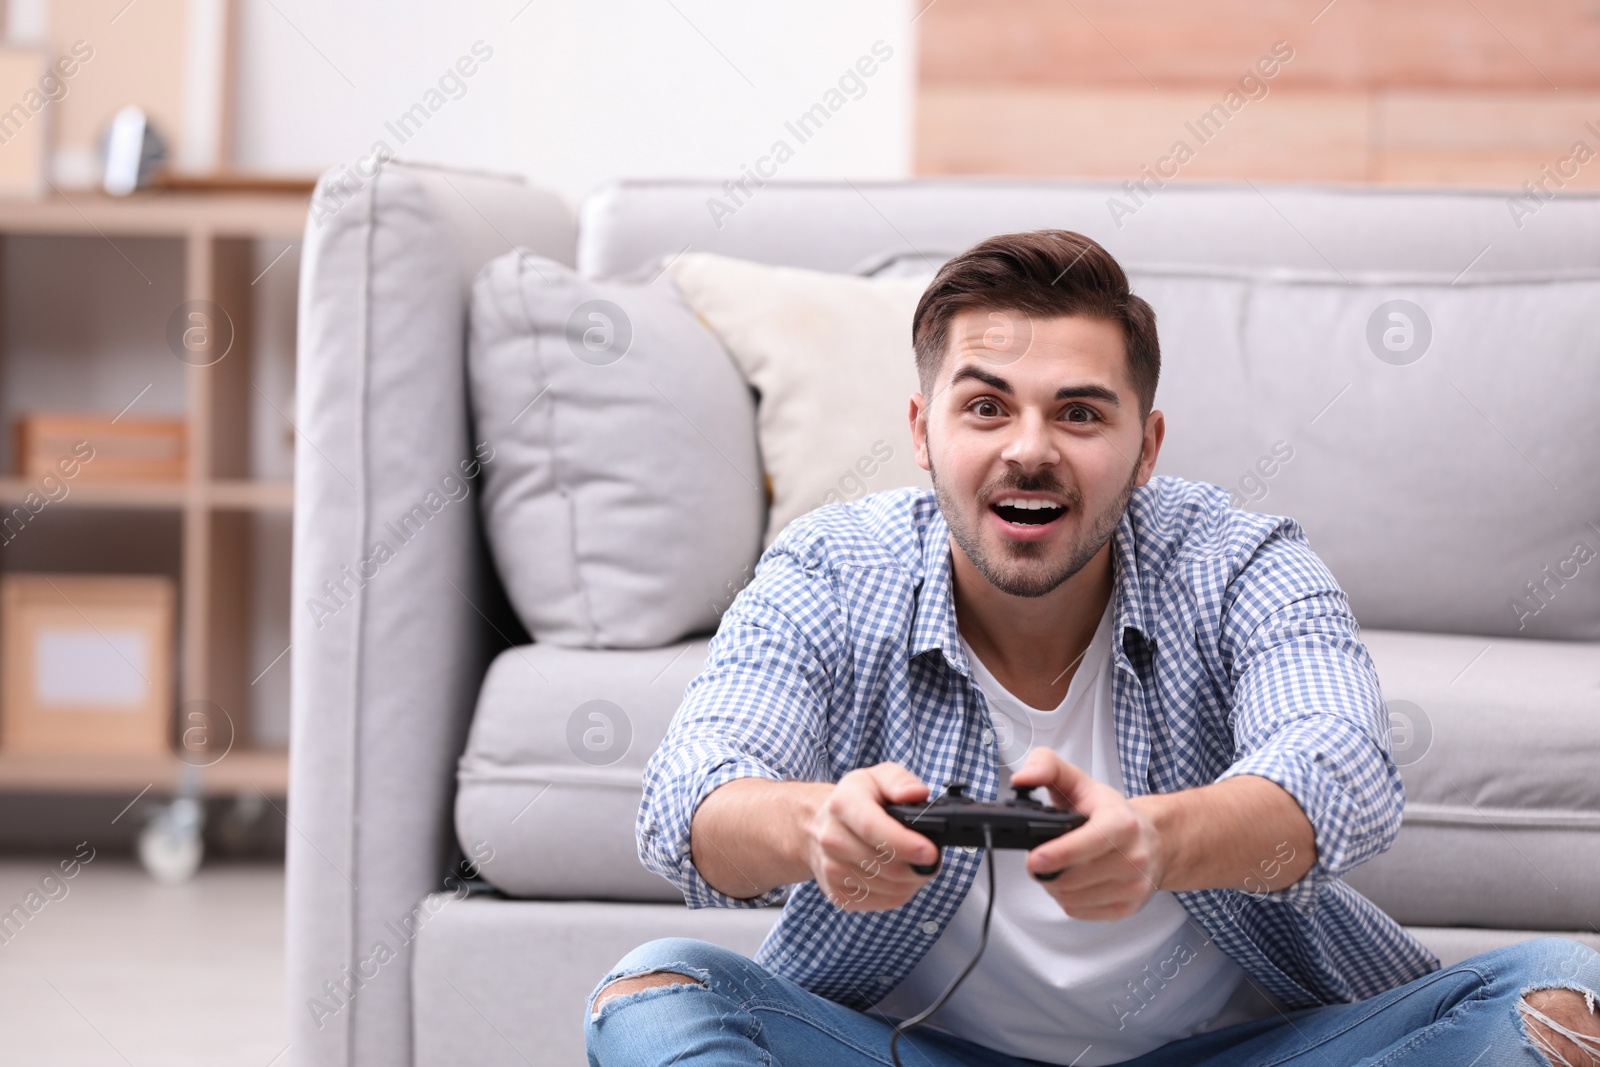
x,y
120,971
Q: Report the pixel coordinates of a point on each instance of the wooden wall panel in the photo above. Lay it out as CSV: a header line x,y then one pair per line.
x,y
1352,43
1116,132
1455,92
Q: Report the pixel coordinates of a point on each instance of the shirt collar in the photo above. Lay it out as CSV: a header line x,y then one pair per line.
x,y
934,623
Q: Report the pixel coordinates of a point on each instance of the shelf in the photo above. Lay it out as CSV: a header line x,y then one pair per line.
x,y
158,214
227,238
220,494
244,770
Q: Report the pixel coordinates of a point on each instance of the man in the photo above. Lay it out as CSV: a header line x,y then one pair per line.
x,y
1185,674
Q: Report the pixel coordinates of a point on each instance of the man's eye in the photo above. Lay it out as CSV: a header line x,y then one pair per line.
x,y
1077,410
977,405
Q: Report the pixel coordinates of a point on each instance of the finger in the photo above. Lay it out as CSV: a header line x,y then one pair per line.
x,y
1070,785
1061,881
1111,829
861,811
854,890
1082,847
1105,895
879,858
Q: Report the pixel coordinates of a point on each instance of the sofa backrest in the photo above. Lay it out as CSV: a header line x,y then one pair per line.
x,y
1409,374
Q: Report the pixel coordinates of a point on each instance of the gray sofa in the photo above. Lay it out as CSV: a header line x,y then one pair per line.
x,y
1446,465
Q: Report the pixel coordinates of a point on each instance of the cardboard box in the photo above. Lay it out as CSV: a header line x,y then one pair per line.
x,y
86,663
129,449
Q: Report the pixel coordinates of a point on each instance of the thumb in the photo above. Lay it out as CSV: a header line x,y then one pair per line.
x,y
1044,767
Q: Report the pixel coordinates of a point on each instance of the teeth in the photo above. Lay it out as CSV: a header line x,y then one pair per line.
x,y
1030,505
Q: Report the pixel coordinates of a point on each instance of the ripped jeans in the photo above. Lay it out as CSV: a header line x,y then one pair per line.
x,y
738,1013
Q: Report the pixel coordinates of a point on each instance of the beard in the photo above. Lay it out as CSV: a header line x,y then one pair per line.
x,y
1021,568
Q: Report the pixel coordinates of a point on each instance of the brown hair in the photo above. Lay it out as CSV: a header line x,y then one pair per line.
x,y
1044,273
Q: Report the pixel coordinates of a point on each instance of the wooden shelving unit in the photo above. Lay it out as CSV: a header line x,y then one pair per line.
x,y
214,500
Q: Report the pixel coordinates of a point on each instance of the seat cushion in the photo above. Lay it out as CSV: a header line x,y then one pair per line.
x,y
622,490
550,781
1496,740
504,983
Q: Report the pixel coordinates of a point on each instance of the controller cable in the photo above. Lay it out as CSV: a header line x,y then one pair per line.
x,y
983,941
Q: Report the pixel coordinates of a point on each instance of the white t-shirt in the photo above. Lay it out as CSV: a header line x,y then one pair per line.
x,y
1058,989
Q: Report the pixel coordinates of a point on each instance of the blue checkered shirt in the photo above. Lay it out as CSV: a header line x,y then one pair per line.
x,y
1235,652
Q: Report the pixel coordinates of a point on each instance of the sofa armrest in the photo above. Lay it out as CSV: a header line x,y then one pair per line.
x,y
396,607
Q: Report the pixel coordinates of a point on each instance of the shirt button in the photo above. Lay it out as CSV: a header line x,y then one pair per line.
x,y
988,736
884,979
930,927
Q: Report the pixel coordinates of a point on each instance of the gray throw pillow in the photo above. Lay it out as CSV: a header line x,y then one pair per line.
x,y
624,502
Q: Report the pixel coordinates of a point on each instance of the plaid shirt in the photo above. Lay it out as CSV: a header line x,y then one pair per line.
x,y
1235,652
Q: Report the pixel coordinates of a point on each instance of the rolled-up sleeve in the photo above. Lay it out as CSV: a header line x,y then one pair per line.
x,y
759,709
1307,711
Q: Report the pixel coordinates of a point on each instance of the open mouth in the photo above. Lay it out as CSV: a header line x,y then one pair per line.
x,y
1028,513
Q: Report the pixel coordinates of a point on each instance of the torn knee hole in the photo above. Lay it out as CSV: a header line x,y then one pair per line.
x,y
1563,1024
640,982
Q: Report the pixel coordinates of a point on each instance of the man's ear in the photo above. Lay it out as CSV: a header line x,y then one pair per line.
x,y
918,414
1155,431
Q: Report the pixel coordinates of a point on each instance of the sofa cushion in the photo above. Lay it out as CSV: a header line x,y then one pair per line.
x,y
550,779
1453,494
509,979
841,226
625,498
1448,486
1496,742
830,356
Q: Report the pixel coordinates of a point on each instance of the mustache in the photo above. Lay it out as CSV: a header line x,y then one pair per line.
x,y
1069,494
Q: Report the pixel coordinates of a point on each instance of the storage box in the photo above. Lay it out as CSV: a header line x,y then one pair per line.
x,y
129,449
86,663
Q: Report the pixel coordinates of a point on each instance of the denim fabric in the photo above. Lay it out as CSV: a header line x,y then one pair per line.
x,y
1461,1016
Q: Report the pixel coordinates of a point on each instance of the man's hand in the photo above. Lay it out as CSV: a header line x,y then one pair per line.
x,y
751,835
1110,866
860,855
1245,832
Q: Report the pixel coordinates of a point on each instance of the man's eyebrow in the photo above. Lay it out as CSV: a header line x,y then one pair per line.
x,y
1066,392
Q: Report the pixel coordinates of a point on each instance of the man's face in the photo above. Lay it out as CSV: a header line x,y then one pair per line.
x,y
1026,412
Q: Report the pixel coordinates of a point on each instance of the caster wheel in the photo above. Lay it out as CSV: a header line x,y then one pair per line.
x,y
170,847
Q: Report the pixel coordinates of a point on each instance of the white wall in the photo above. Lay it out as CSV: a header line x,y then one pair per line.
x,y
574,93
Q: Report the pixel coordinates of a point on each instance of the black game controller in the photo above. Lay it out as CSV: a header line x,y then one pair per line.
x,y
957,819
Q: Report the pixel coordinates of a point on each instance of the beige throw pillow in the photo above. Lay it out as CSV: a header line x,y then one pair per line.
x,y
830,355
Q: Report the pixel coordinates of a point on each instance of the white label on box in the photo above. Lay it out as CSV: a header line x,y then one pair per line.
x,y
78,665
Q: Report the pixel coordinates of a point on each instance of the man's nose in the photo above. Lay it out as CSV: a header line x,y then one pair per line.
x,y
1031,444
